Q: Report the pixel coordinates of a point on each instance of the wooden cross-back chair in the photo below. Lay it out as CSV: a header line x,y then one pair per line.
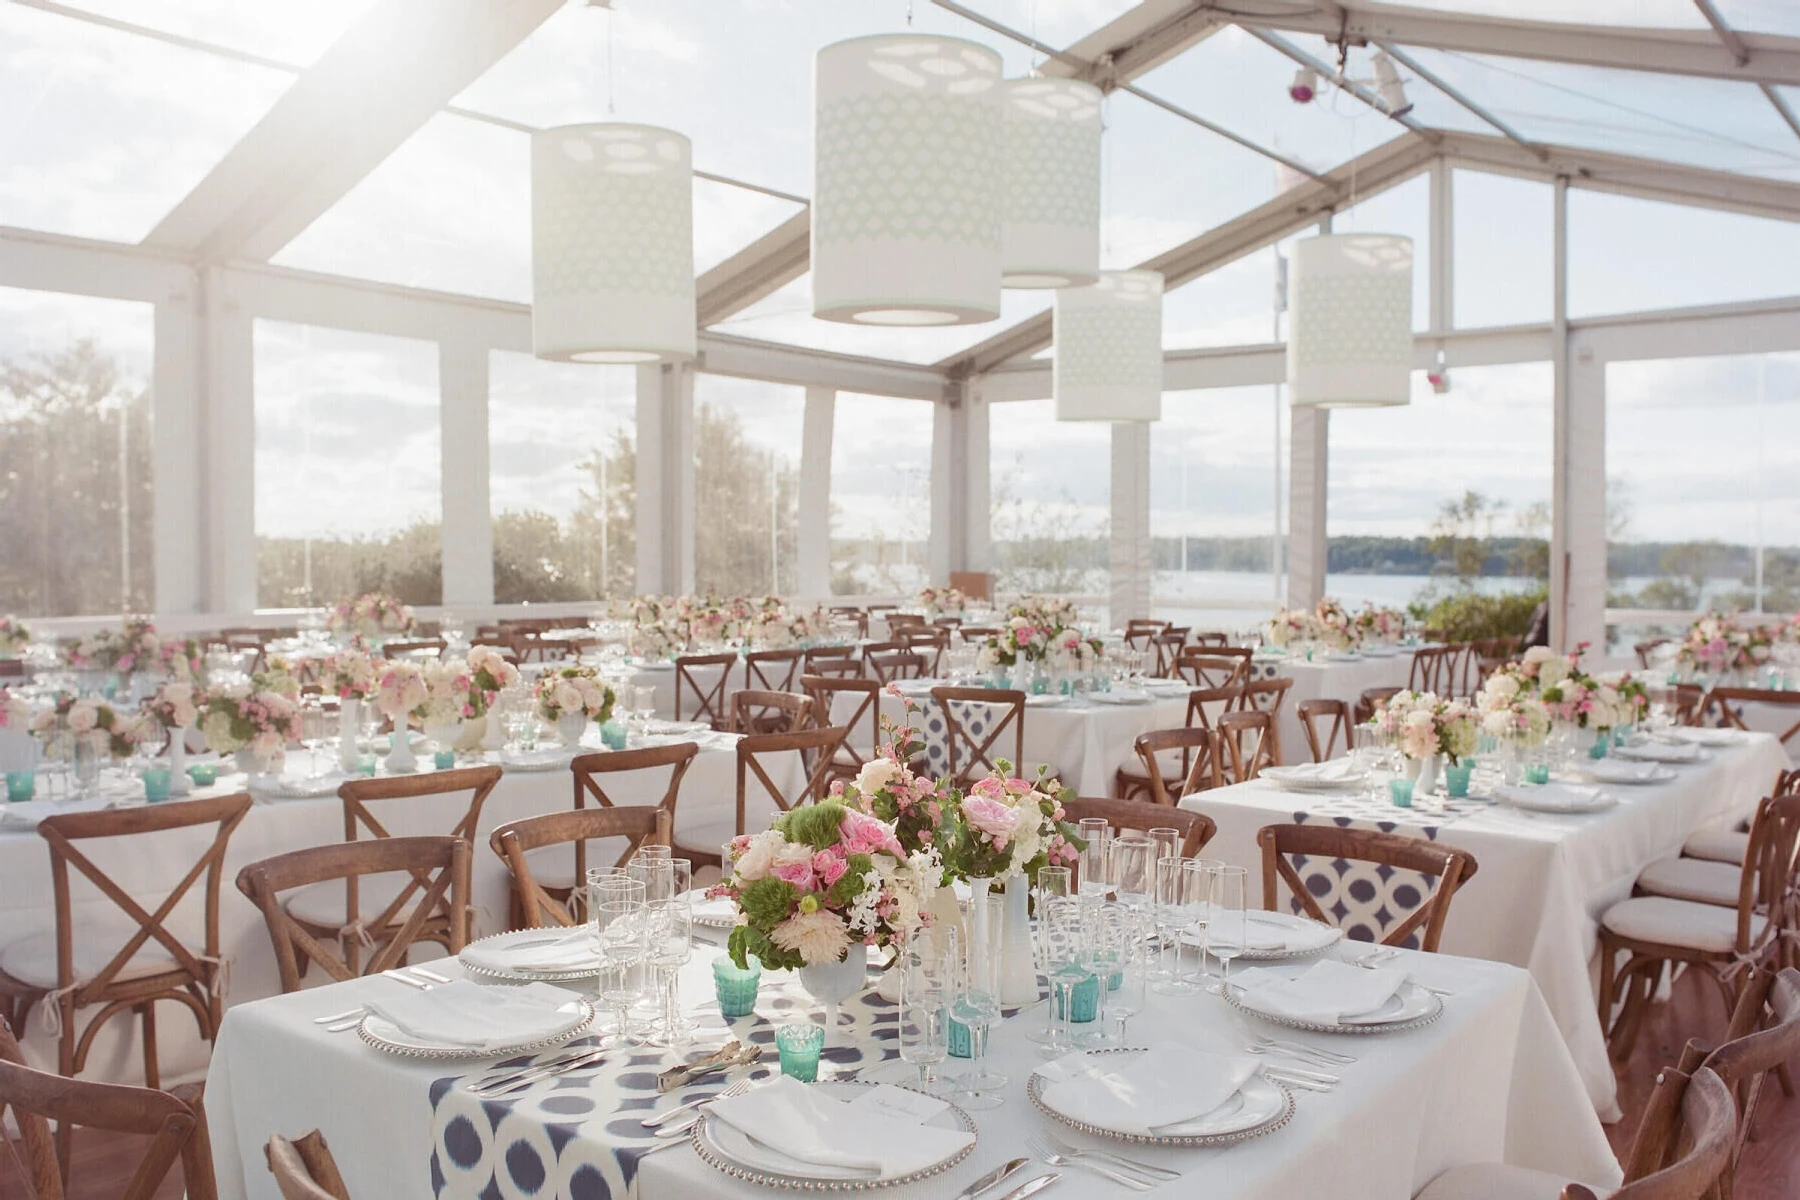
x,y
1248,741
1203,669
1207,638
641,824
304,1169
709,701
1690,700
816,748
1139,631
861,724
1166,648
34,1099
1206,705
1195,750
928,643
1369,701
830,660
851,612
1140,816
1727,702
1434,669
414,648
1336,715
976,634
327,911
126,966
1644,649
899,664
773,670
754,710
972,757
1267,696
442,898
1450,867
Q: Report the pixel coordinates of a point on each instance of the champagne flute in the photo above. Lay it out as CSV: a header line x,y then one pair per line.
x,y
1053,883
616,927
1101,956
1134,869
670,923
1170,913
1227,935
976,1003
1196,909
1060,933
1123,931
312,733
1168,842
924,1008
1096,868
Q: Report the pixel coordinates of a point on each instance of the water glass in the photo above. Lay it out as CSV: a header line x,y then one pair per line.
x,y
616,929
799,1045
1227,929
735,987
1105,933
976,999
1096,857
85,756
1134,869
1059,933
924,1010
1171,916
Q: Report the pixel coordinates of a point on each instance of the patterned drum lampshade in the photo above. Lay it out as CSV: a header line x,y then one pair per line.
x,y
1108,364
1050,231
906,182
612,244
1350,335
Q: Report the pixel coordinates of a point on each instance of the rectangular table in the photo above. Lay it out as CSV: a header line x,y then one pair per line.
x,y
1543,880
1489,1080
705,816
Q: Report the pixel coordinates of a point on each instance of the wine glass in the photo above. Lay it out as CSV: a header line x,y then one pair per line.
x,y
924,1003
1096,859
1123,932
617,928
670,926
1226,933
313,731
1196,909
976,1002
1101,956
1059,936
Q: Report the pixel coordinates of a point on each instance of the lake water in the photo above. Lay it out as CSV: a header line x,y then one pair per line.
x,y
1242,599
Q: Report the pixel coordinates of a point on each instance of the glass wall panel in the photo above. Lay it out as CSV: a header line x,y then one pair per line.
x,y
76,486
1503,247
1050,511
562,479
1627,255
348,467
880,495
746,485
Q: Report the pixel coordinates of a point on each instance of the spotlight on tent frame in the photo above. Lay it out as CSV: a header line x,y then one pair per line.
x,y
1304,87
1387,82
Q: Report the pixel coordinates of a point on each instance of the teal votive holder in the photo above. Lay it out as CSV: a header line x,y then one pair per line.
x,y
1400,792
366,765
20,785
957,1039
612,735
1084,1000
204,774
735,987
799,1046
1115,981
1537,773
443,760
1602,744
156,784
1456,780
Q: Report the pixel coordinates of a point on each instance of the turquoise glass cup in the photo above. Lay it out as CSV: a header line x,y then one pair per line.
x,y
799,1046
736,987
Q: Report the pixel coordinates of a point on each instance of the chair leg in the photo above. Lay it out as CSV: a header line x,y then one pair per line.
x,y
152,1076
1608,960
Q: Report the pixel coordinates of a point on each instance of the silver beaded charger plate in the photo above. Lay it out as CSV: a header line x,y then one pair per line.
x,y
1260,1106
720,1146
384,1035
289,787
1410,1008
1304,937
535,760
518,939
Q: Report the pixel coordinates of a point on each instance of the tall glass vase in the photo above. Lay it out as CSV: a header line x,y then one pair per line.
x,y
349,721
179,784
1018,974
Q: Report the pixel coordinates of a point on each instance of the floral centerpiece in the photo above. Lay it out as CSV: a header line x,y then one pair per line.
x,y
1047,612
1373,624
350,673
1333,626
937,601
1423,725
1511,712
1011,827
181,658
1291,625
176,705
1719,642
370,615
14,636
1075,652
822,880
656,640
262,716
132,647
921,811
571,696
491,674
401,693
773,629
450,692
1020,639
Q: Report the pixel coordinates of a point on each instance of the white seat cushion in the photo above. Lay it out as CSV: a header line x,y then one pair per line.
x,y
323,903
1683,923
1495,1181
1718,845
1693,879
32,960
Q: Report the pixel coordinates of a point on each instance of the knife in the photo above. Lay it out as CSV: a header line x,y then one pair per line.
x,y
1032,1187
991,1178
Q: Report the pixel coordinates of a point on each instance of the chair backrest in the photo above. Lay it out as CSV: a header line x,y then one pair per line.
x,y
899,664
928,643
1369,701
972,750
1690,699
1211,637
972,634
1199,750
643,824
861,725
1700,1130
36,1098
1750,1052
1434,669
304,1169
358,794
414,648
1167,646
1206,705
772,670
1766,883
754,710
1267,695
1643,649
1203,669
709,700
1449,866
852,612
815,747
1248,739
585,768
1197,829
64,830
1139,631
440,870
828,656
1336,716
1728,703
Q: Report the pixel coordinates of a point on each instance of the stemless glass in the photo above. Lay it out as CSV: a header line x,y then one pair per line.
x,y
1227,935
643,704
977,1001
1168,842
1134,869
924,1009
1096,868
312,733
1060,931
617,927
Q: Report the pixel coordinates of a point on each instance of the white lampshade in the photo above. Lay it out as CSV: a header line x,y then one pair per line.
x,y
612,244
1108,363
1350,334
1050,230
906,182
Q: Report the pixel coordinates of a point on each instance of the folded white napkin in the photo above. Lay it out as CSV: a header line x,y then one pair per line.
x,y
467,1014
1336,770
1686,752
801,1128
1328,992
712,912
1707,737
1168,1085
1553,797
26,814
553,950
1611,770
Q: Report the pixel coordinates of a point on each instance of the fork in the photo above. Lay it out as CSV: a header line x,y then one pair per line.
x,y
1050,1156
1303,1051
1062,1147
663,1118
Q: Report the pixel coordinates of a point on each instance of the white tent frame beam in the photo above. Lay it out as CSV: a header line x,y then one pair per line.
x,y
1361,91
1400,56
1739,51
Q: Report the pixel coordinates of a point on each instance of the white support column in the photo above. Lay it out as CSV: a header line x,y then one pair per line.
x,y
1586,491
949,435
1128,553
813,532
665,478
467,529
1309,450
177,454
977,518
228,413
1443,248
1560,548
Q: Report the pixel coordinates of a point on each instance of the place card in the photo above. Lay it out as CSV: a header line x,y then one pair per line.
x,y
899,1104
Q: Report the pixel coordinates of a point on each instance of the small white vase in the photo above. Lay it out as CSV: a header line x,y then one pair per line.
x,y
179,784
833,983
570,727
400,758
1425,782
246,762
1018,973
493,733
349,724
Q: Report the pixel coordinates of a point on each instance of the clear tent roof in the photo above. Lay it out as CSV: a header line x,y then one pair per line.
x,y
121,107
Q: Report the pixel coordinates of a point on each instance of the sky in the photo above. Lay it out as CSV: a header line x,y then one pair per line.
x,y
106,131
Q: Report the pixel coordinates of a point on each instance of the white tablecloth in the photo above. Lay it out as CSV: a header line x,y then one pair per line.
x,y
1543,880
1329,679
1490,1080
705,816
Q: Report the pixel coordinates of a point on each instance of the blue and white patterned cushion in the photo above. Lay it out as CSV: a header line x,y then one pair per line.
x,y
1364,899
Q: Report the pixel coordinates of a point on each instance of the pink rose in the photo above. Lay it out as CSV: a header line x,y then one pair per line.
x,y
991,818
800,874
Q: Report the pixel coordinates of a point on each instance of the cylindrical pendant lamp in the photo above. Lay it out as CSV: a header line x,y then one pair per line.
x,y
906,182
1108,363
1050,233
612,244
1350,336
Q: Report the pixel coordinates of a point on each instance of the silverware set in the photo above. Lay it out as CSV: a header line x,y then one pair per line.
x,y
505,1083
1127,1172
1375,959
419,977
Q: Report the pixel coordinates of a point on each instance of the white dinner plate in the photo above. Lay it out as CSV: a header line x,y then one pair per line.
x,y
1260,1106
1684,755
481,964
1304,936
384,1035
294,786
1408,1008
1609,771
553,759
1307,779
1046,700
1707,737
1121,697
1556,797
